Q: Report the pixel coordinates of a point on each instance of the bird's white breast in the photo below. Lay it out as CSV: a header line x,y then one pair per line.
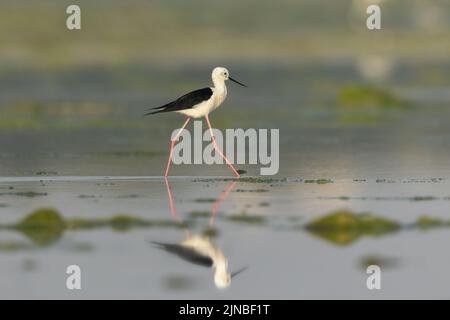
x,y
205,107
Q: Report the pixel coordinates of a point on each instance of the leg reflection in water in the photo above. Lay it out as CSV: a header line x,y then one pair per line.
x,y
199,249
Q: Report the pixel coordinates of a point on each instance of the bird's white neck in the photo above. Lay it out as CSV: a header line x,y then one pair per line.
x,y
219,85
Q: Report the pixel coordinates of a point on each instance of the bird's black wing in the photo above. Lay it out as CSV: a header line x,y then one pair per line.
x,y
187,101
185,253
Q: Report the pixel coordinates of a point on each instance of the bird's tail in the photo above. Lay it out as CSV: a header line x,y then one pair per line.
x,y
159,245
154,110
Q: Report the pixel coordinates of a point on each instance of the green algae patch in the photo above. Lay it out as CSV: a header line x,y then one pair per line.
x,y
423,198
426,222
43,226
318,181
199,214
243,179
246,218
210,232
46,226
120,223
42,218
363,96
205,200
27,194
381,261
362,118
46,173
13,246
344,227
252,190
262,180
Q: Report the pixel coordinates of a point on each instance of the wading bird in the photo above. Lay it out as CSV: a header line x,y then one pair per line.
x,y
197,104
201,251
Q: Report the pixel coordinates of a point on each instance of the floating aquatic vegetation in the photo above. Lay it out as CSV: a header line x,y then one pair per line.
x,y
46,173
426,222
262,180
206,200
246,218
28,194
252,190
199,214
12,246
264,204
344,227
243,179
422,198
416,198
361,118
43,227
318,181
385,181
120,223
3,205
362,96
127,196
381,261
46,226
87,196
210,232
42,218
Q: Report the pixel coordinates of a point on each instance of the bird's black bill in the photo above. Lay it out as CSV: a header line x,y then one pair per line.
x,y
238,271
237,82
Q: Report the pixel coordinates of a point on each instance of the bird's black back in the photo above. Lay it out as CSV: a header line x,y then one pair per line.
x,y
187,101
185,253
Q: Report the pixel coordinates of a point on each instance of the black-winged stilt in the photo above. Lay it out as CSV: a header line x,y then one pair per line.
x,y
197,104
199,249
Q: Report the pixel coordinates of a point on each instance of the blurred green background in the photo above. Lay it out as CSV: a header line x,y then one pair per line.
x,y
310,65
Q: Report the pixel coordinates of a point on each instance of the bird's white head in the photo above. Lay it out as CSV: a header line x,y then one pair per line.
x,y
222,278
221,74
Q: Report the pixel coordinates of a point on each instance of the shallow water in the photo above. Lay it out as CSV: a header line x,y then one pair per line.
x,y
330,160
284,260
395,168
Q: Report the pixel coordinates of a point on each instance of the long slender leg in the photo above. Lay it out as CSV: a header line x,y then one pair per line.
x,y
172,144
173,210
219,201
218,149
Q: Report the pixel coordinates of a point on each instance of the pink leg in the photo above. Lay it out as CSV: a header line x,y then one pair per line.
x,y
173,210
172,144
220,151
219,201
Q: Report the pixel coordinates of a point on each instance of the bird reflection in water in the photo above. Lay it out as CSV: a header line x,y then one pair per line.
x,y
199,249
